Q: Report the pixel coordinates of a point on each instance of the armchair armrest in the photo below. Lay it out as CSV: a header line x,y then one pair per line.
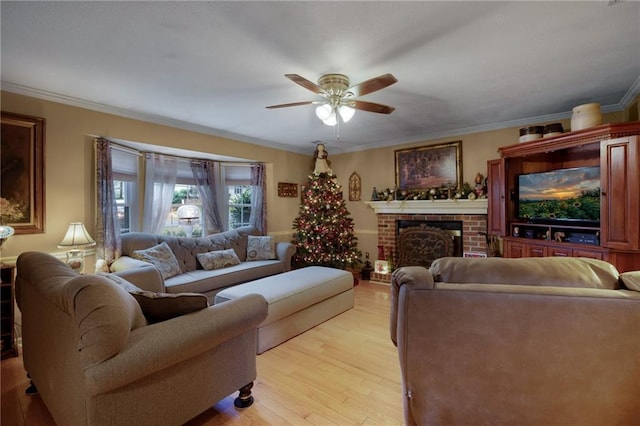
x,y
414,276
284,252
139,273
159,346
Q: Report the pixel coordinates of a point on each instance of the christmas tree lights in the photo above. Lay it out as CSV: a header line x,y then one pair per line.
x,y
323,230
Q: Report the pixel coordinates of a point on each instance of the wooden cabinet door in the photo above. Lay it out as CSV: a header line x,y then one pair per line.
x,y
536,250
514,249
496,211
620,186
560,251
588,253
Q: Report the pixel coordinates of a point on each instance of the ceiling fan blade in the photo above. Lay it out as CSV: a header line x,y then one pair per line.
x,y
307,84
291,104
373,85
372,107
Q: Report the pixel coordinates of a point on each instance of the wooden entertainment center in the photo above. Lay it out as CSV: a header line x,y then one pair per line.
x,y
613,147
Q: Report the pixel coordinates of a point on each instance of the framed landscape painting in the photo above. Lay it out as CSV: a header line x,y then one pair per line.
x,y
431,166
22,180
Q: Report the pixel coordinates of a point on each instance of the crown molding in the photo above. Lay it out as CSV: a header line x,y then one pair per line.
x,y
626,100
136,115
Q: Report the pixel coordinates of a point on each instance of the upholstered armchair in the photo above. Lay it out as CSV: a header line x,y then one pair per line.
x,y
96,358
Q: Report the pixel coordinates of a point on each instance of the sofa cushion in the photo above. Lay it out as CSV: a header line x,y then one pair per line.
x,y
631,280
540,271
230,239
260,248
201,281
218,259
161,257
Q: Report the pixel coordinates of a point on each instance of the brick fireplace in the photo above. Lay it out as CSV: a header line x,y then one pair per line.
x,y
472,214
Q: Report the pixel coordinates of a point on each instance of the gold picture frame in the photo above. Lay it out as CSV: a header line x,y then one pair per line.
x,y
22,186
431,166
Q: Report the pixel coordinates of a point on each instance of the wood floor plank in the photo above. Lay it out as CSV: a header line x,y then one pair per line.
x,y
344,371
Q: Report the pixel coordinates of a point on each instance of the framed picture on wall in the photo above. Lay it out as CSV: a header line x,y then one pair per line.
x,y
431,166
22,181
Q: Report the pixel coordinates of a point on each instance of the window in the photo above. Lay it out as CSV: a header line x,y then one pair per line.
x,y
237,178
239,205
125,185
183,221
123,191
128,182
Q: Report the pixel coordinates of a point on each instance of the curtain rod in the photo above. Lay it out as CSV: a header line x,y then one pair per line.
x,y
139,153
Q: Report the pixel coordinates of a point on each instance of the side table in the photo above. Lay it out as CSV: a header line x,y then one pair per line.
x,y
7,326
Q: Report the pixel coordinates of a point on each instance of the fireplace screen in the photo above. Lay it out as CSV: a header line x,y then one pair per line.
x,y
419,243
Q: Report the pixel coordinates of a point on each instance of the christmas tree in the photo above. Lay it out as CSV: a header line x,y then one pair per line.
x,y
323,230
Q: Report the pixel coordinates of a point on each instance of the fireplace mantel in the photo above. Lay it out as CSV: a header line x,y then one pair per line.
x,y
463,206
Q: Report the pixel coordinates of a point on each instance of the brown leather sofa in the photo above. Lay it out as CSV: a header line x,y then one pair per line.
x,y
532,341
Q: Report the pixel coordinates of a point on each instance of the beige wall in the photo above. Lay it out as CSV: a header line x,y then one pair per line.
x,y
69,168
376,167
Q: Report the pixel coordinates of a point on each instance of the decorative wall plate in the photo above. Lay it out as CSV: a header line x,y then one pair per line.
x,y
355,185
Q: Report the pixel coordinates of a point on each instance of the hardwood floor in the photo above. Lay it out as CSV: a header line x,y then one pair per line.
x,y
342,372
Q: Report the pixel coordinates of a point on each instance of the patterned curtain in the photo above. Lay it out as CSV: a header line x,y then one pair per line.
x,y
206,173
258,217
160,182
107,229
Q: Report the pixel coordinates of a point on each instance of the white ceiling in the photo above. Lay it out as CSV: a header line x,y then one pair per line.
x,y
214,66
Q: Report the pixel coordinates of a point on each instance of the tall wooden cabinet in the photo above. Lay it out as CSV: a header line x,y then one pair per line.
x,y
613,147
619,213
496,208
9,347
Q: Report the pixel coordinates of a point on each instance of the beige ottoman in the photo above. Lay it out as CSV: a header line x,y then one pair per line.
x,y
298,300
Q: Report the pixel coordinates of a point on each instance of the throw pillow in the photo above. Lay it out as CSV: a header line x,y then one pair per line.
x,y
159,307
161,257
218,259
631,280
260,248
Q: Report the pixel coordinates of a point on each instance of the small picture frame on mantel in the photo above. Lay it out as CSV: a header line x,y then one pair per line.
x,y
286,189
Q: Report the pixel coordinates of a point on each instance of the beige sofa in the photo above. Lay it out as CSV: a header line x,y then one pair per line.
x,y
532,341
192,277
95,360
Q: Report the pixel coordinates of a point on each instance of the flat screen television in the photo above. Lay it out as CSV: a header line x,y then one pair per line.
x,y
563,195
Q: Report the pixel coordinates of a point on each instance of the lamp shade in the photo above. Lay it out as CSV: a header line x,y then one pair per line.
x,y
324,111
188,211
346,112
6,231
76,236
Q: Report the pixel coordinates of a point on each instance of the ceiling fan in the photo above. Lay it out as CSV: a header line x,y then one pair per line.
x,y
340,103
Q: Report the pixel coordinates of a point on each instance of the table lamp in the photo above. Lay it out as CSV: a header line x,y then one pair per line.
x,y
76,239
188,213
5,232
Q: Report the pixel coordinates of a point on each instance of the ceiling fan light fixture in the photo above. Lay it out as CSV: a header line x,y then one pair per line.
x,y
346,112
331,120
339,103
327,114
324,111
